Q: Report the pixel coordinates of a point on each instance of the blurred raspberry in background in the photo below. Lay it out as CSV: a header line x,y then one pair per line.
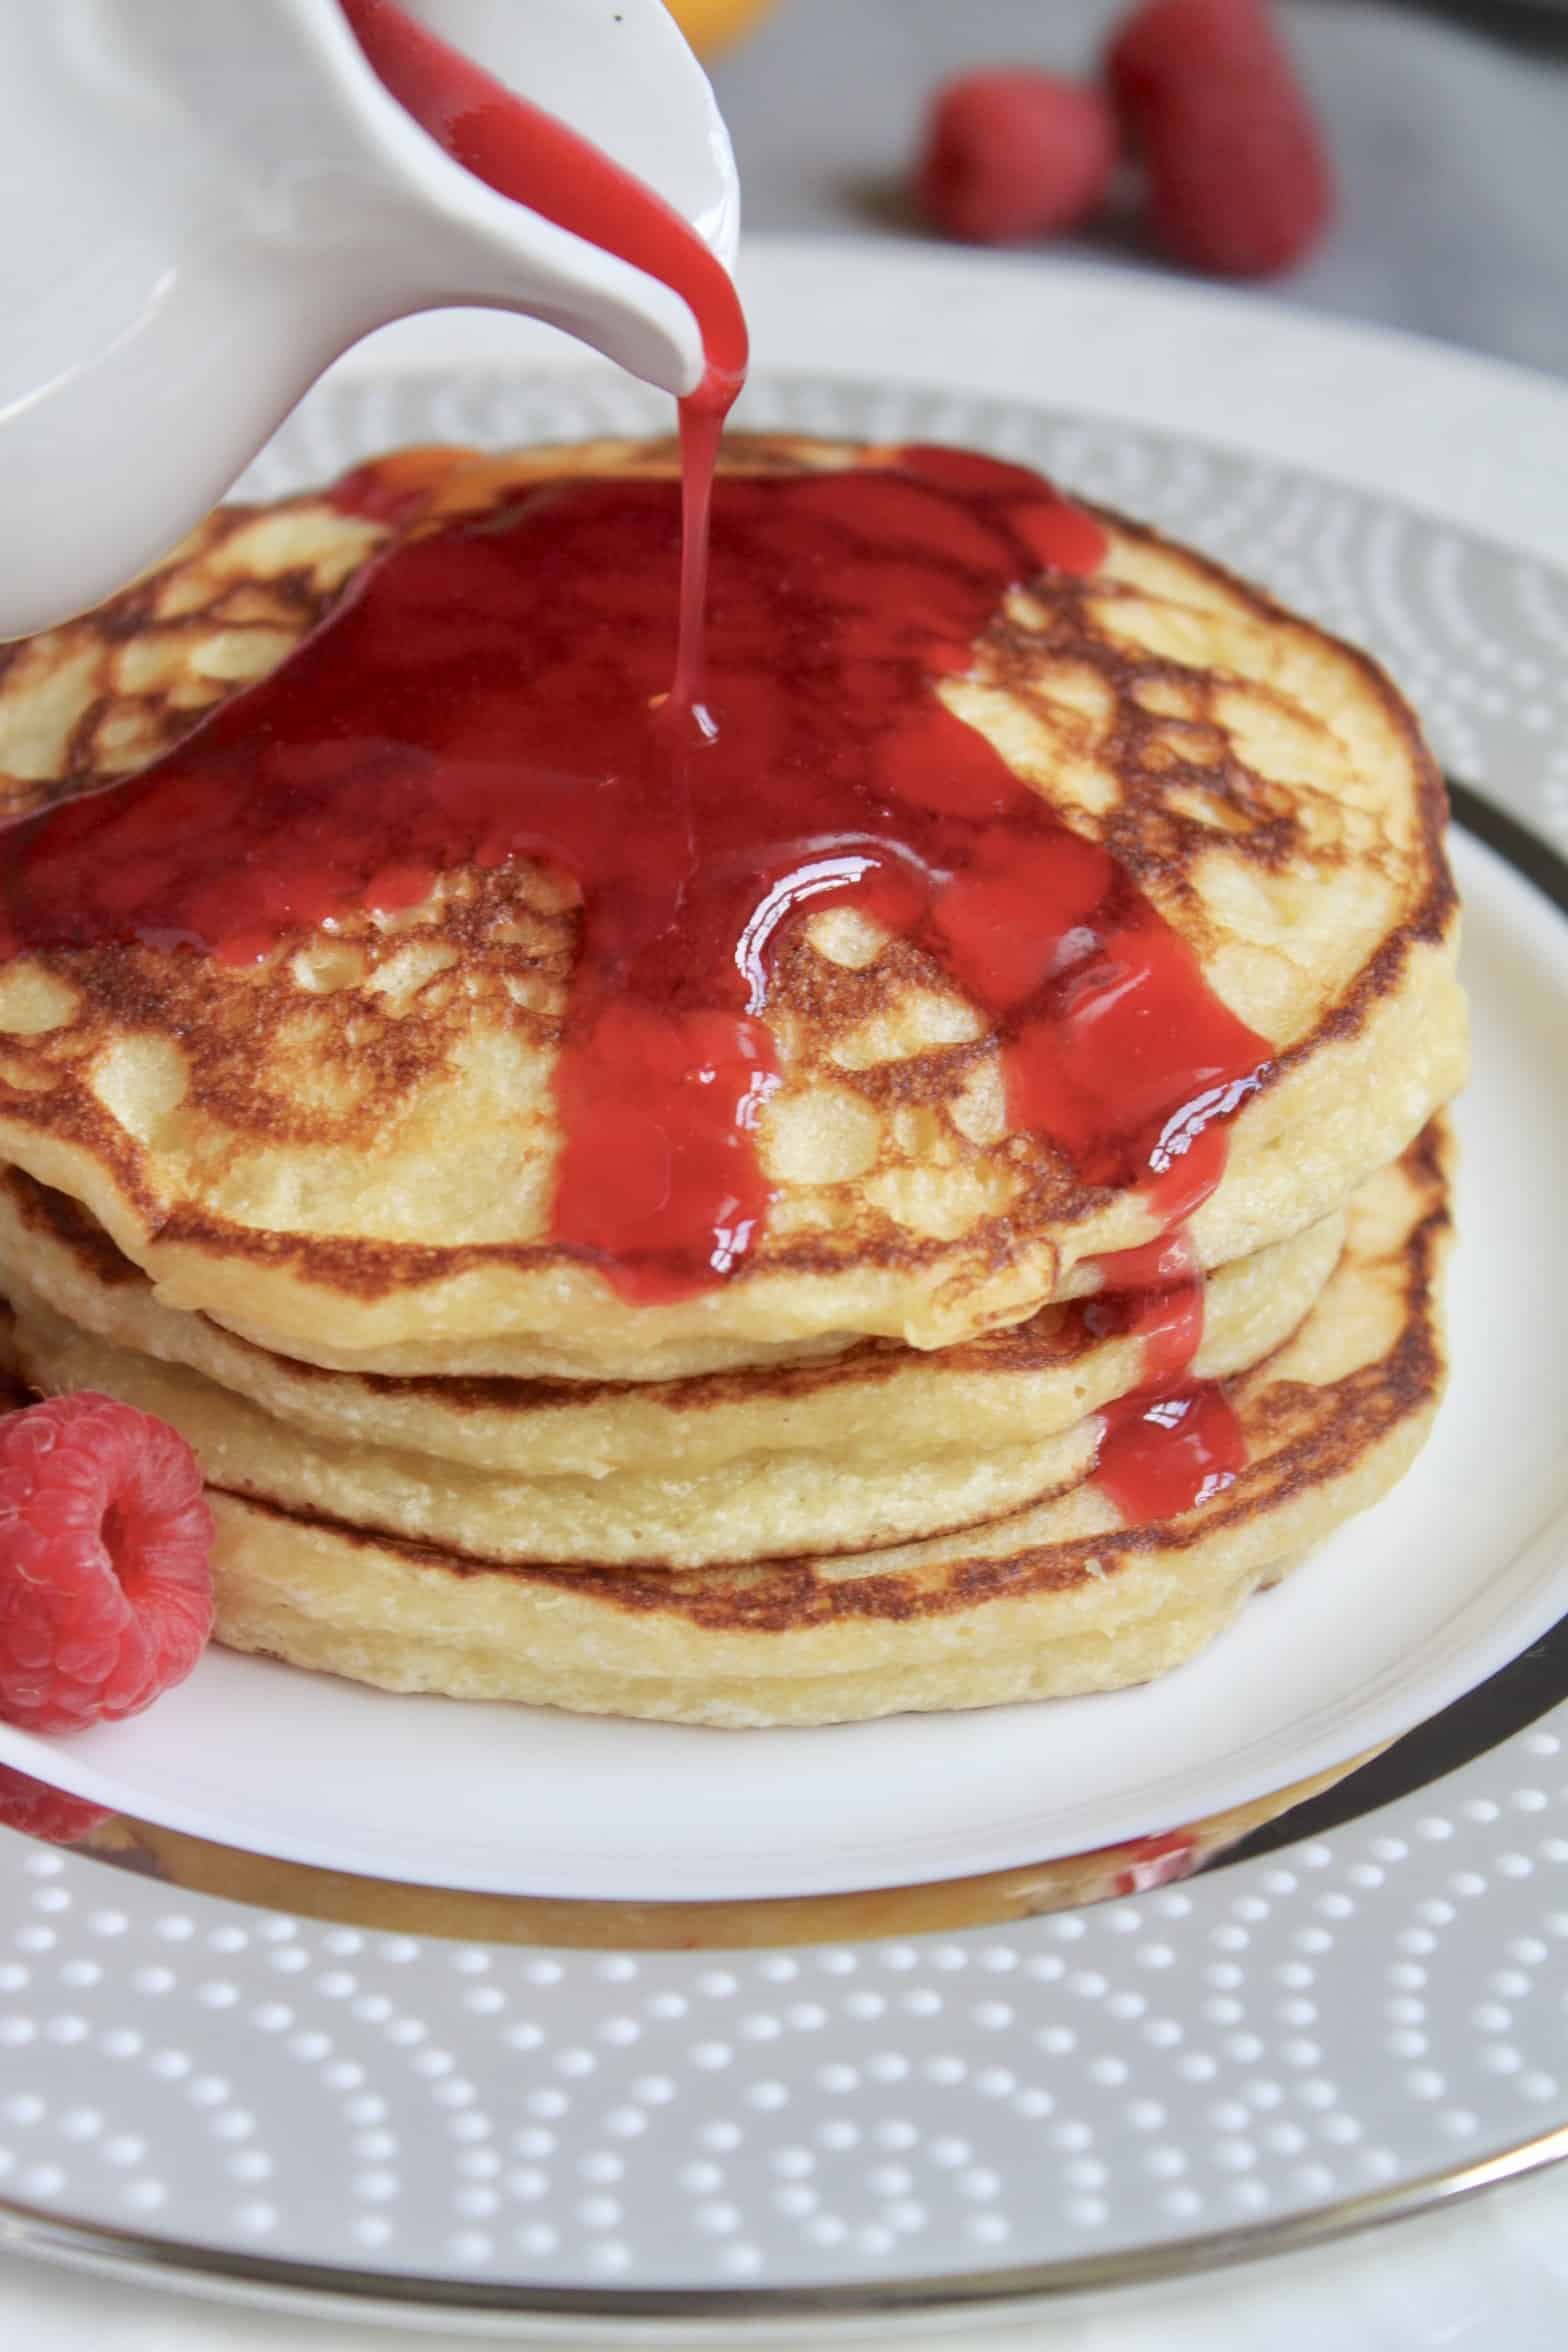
x,y
1201,99
1440,123
1236,171
1015,153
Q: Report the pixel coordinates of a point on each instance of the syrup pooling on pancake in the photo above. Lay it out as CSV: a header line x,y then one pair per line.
x,y
496,690
1186,1444
524,153
1172,1442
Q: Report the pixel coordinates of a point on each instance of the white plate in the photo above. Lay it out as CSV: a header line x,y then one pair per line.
x,y
1462,1567
1363,2022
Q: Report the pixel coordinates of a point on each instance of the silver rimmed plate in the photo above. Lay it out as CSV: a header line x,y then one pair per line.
x,y
299,2088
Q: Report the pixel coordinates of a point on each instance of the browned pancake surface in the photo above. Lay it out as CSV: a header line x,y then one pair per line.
x,y
349,1151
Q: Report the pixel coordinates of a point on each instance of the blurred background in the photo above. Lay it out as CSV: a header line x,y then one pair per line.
x,y
1447,125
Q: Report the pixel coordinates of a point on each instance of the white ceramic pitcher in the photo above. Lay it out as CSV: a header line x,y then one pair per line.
x,y
202,202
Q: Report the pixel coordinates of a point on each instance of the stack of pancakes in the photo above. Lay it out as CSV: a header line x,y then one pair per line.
x,y
301,1209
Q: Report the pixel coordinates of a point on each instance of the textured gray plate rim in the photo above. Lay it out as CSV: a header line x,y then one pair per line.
x,y
1354,2026
222,2274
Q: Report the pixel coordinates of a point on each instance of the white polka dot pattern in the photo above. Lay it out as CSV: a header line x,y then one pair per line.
x,y
1291,2033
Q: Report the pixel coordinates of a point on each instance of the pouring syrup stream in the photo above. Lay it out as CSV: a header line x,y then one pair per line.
x,y
522,152
500,691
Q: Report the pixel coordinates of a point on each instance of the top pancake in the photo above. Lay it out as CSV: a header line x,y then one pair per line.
x,y
347,1152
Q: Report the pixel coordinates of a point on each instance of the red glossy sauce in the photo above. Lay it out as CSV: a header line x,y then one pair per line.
x,y
501,690
1164,1453
1155,1294
524,153
1173,1441
492,691
1156,1861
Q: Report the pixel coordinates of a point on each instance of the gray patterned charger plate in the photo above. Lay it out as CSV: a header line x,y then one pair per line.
x,y
312,2091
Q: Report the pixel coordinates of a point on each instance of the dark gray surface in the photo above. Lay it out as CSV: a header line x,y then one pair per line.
x,y
1451,144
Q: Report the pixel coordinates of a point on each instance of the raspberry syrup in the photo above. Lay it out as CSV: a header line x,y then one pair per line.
x,y
1172,1441
522,152
501,689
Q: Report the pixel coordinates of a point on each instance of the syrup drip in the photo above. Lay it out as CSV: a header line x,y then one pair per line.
x,y
522,152
1164,1454
497,691
1172,1442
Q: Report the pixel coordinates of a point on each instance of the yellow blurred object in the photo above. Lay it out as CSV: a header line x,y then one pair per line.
x,y
711,25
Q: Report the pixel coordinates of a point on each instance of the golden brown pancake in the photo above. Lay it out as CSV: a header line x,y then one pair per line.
x,y
868,1447
1059,1598
346,1154
1026,1380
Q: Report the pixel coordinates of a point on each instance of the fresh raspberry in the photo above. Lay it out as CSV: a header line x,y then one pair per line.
x,y
1013,153
1239,179
40,1811
105,1587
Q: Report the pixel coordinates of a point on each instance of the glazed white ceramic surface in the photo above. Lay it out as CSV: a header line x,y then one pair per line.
x,y
1462,1567
201,205
199,2091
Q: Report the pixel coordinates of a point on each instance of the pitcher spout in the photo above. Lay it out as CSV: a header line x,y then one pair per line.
x,y
211,203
